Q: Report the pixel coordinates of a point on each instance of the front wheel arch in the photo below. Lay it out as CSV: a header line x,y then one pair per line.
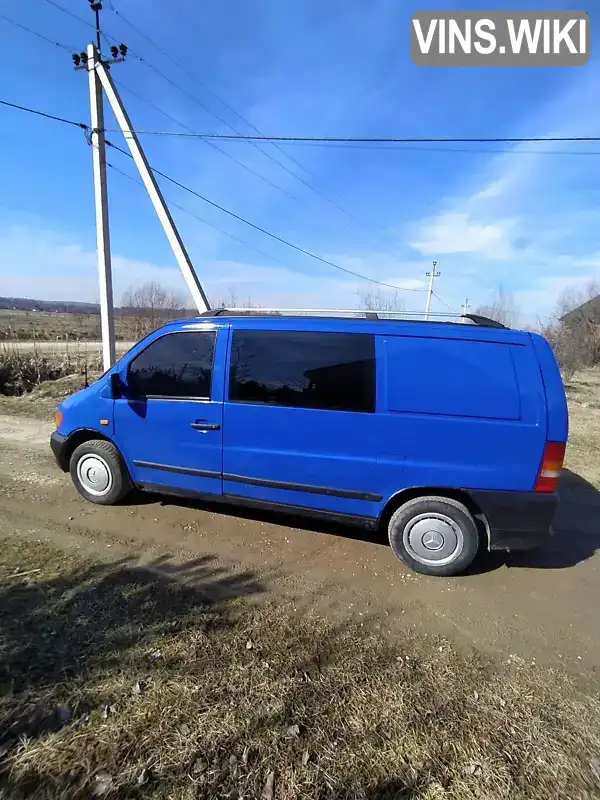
x,y
77,437
106,465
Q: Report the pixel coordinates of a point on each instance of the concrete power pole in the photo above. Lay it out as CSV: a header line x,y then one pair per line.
x,y
107,321
431,275
465,308
99,80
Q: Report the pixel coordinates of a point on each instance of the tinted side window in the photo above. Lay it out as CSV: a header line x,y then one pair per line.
x,y
176,365
304,369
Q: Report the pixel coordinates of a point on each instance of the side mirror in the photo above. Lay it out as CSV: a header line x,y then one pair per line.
x,y
116,386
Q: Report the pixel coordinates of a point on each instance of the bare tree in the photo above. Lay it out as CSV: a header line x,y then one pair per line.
x,y
574,330
501,307
232,300
150,305
377,300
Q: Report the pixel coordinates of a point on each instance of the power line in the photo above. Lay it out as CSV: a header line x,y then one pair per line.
x,y
89,24
230,108
191,133
253,143
345,143
211,144
350,141
84,127
35,33
218,206
381,144
383,139
174,61
224,122
68,48
443,302
81,125
425,149
266,232
239,136
204,221
112,38
70,13
175,133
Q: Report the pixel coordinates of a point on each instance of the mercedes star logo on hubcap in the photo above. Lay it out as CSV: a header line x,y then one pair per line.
x,y
433,540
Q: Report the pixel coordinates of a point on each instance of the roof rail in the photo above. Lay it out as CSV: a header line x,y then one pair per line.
x,y
328,312
478,319
416,316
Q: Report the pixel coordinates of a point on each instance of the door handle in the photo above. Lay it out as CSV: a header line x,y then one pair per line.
x,y
202,425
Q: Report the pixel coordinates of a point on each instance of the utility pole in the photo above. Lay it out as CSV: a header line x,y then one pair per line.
x,y
465,308
99,79
107,314
431,275
96,6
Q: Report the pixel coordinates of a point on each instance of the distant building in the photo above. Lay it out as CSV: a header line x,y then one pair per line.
x,y
588,312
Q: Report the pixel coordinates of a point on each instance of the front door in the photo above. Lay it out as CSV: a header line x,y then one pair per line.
x,y
168,423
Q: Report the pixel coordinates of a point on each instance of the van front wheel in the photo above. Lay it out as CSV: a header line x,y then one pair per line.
x,y
98,472
434,535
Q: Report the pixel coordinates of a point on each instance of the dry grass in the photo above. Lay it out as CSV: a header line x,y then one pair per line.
x,y
41,402
21,371
16,325
584,388
119,681
583,449
33,382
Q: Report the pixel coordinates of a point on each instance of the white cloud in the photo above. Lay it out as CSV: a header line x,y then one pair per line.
x,y
524,218
389,268
47,265
493,189
458,232
592,261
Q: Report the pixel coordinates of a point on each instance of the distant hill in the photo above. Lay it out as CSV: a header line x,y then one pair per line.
x,y
61,306
74,307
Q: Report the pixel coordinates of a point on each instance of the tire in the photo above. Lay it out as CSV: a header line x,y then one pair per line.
x,y
453,538
98,472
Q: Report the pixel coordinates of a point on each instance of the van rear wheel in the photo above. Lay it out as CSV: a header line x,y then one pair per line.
x,y
434,536
98,472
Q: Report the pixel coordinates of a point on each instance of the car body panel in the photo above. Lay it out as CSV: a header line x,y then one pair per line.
x,y
457,408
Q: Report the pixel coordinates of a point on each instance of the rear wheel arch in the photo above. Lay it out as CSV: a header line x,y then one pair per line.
x,y
414,492
434,535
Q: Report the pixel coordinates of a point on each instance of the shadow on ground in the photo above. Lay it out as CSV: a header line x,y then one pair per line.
x,y
576,527
284,519
57,633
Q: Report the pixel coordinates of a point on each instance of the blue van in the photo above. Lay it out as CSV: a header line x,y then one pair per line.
x,y
449,435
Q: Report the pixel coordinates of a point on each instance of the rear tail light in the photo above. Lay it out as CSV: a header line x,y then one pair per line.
x,y
552,461
58,418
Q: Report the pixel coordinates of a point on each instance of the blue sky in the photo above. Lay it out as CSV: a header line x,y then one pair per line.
x,y
520,218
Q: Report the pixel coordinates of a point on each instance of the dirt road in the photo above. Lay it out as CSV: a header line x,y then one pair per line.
x,y
541,606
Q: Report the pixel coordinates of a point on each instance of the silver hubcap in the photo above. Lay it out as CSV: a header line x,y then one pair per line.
x,y
433,538
94,475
